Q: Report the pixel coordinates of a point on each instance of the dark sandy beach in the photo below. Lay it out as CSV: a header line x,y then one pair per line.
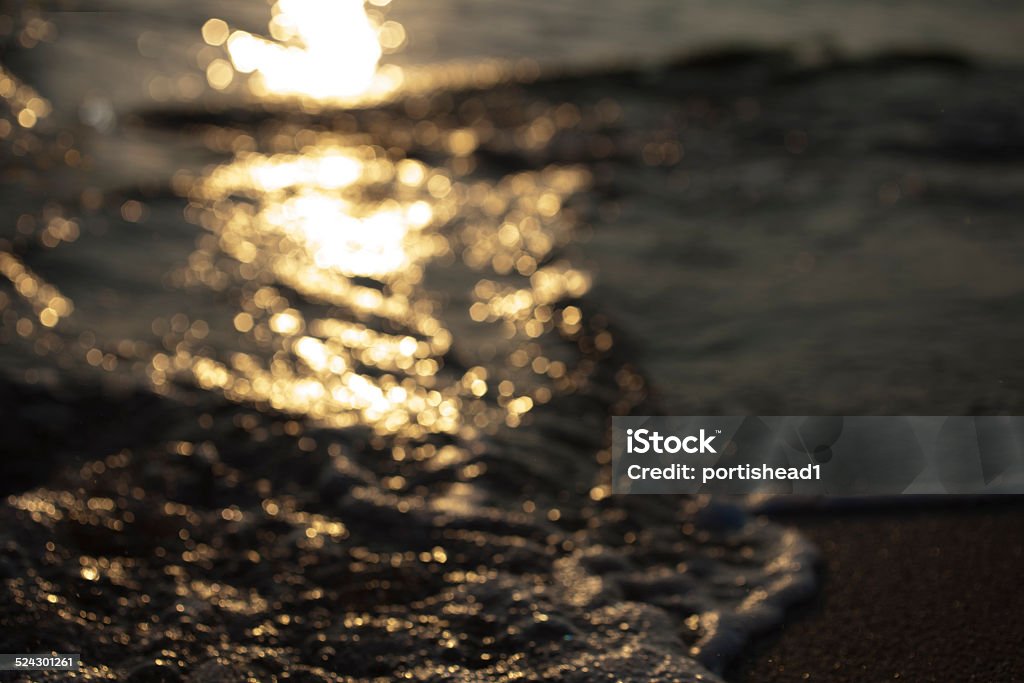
x,y
926,594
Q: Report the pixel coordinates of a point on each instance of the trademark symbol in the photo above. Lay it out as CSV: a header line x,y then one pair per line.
x,y
718,431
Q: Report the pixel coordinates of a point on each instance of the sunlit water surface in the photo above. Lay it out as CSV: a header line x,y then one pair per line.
x,y
381,311
376,445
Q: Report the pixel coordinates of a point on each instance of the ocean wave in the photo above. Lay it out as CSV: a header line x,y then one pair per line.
x,y
327,390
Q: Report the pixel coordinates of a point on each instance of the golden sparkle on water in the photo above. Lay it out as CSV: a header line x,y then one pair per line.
x,y
302,220
21,107
26,105
352,227
323,50
49,304
326,239
325,218
318,257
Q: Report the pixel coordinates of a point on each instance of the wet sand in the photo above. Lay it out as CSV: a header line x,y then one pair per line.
x,y
928,594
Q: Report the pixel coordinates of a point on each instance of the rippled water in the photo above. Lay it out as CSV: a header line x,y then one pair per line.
x,y
316,366
376,445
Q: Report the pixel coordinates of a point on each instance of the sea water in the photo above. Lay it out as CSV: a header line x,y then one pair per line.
x,y
321,384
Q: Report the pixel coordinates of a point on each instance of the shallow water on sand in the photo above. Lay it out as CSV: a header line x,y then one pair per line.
x,y
320,393
326,388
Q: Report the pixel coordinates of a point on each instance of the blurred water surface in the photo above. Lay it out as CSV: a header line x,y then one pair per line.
x,y
371,301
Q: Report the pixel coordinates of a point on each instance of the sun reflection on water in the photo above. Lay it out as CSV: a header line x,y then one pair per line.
x,y
338,223
344,233
321,234
323,50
